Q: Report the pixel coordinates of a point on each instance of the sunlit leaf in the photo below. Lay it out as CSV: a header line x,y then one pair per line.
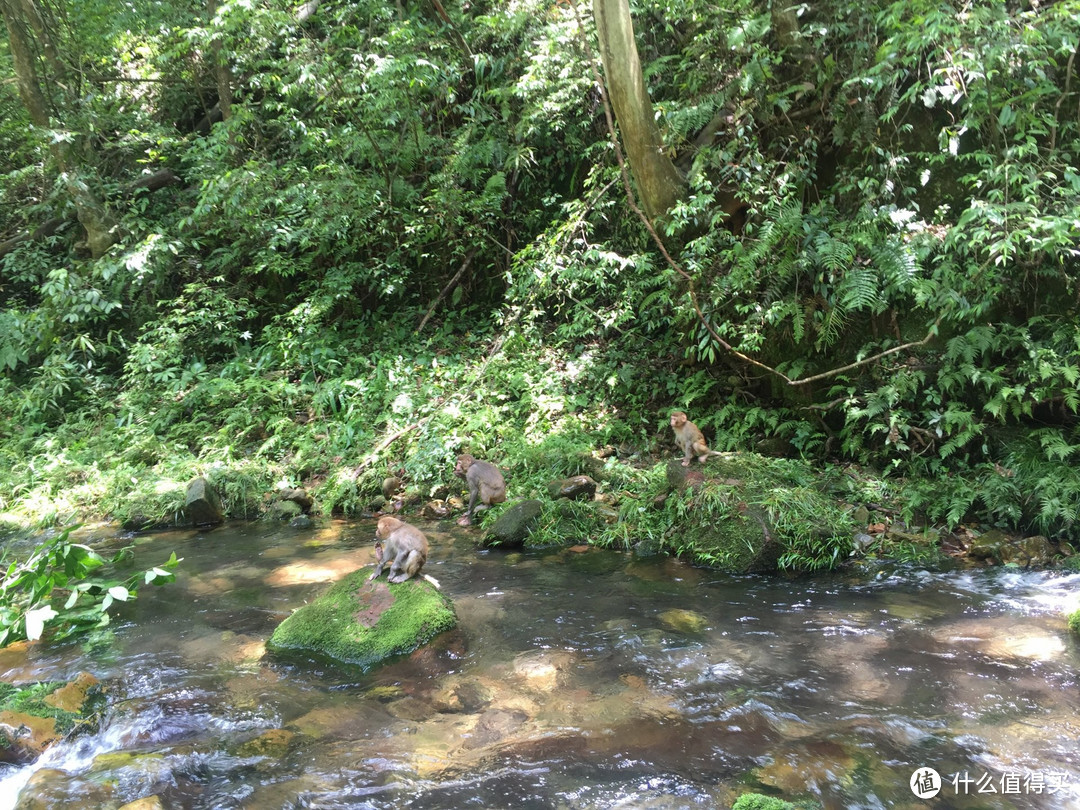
x,y
36,619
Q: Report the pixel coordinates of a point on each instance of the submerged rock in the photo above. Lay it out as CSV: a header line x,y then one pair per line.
x,y
273,743
684,621
145,803
365,622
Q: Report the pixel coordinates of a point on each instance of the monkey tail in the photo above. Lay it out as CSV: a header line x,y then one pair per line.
x,y
432,580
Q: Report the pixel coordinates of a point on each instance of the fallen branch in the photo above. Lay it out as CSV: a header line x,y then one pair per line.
x,y
372,457
449,286
43,231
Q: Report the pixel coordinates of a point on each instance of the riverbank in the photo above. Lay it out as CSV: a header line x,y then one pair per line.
x,y
739,511
257,424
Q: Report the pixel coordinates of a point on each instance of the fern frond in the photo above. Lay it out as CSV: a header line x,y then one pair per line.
x,y
859,289
835,255
831,326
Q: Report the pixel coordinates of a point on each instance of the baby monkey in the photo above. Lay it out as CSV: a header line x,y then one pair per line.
x,y
401,546
485,483
690,439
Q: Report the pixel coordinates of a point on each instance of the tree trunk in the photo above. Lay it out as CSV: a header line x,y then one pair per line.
x,y
785,23
148,183
658,180
100,227
22,56
221,69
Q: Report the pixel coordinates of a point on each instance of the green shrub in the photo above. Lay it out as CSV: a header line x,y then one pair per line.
x,y
1074,622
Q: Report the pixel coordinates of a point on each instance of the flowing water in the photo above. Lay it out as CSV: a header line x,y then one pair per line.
x,y
577,678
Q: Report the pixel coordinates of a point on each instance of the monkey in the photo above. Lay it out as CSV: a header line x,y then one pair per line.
x,y
405,551
390,487
690,439
485,482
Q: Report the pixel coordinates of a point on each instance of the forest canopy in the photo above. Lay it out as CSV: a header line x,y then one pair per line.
x,y
283,240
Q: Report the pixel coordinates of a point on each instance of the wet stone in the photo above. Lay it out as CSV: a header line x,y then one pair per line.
x,y
54,789
202,506
25,736
576,488
145,803
515,524
493,727
684,621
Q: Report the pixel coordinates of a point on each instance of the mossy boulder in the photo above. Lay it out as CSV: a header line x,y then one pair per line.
x,y
996,546
514,525
740,541
757,801
743,512
365,622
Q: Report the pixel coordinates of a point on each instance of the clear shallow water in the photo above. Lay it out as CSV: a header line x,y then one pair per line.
x,y
576,679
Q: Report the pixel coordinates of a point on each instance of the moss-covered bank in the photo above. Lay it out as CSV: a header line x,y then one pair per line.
x,y
365,622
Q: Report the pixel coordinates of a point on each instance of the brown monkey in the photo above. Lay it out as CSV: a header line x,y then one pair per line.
x,y
405,551
690,439
485,482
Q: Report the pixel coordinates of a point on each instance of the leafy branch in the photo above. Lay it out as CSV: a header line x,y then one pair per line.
x,y
31,591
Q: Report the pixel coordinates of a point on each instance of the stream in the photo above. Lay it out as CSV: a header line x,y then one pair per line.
x,y
577,678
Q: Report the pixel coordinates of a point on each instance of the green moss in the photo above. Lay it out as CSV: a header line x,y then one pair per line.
x,y
31,700
758,514
330,626
1074,622
759,801
756,801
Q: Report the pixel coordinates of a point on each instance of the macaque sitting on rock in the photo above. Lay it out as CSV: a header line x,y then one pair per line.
x,y
690,439
485,483
401,546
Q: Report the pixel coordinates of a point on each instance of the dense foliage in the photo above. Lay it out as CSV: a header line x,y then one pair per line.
x,y
344,223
